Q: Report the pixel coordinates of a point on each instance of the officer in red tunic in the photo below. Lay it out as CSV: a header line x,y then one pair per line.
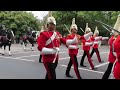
x,y
86,44
111,58
73,51
48,44
114,54
96,38
116,50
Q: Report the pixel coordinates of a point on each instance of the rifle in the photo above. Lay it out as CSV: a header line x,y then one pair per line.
x,y
110,27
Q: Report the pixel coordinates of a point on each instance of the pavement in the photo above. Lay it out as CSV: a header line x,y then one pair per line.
x,y
25,64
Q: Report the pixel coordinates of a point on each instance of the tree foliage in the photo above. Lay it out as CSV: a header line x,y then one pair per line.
x,y
83,17
19,21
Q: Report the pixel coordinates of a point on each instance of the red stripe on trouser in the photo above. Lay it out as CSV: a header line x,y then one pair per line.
x,y
98,55
89,59
75,67
48,71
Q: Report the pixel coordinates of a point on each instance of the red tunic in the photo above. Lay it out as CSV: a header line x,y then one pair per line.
x,y
74,51
111,57
95,45
83,44
117,65
44,36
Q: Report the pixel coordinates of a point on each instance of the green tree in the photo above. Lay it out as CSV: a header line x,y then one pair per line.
x,y
19,21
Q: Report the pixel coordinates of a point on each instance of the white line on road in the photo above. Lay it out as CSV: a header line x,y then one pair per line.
x,y
68,57
104,52
17,59
85,69
101,64
32,55
25,52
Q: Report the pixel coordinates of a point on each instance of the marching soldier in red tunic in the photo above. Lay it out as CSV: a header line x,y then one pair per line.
x,y
86,44
48,44
96,38
111,59
73,49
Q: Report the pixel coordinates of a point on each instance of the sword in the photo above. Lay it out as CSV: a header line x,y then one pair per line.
x,y
82,29
108,30
67,28
110,27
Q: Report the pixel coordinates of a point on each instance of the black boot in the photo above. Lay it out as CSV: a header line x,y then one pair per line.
x,y
82,65
67,75
40,59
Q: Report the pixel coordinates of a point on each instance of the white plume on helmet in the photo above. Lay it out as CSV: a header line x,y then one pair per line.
x,y
51,20
96,31
117,24
87,29
73,24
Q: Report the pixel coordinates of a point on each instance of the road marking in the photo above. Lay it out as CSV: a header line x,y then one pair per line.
x,y
85,69
104,52
17,59
32,55
24,52
32,51
101,64
68,57
27,56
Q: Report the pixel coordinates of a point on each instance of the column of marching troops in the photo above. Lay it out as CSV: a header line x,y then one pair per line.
x,y
50,40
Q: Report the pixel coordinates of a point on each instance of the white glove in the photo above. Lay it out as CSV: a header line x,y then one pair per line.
x,y
46,51
56,49
88,43
86,36
72,41
103,38
73,47
96,42
98,38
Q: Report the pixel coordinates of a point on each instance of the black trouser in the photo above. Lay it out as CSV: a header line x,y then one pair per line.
x,y
86,52
97,53
108,71
73,60
40,58
50,67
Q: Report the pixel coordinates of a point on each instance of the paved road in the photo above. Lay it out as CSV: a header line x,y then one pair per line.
x,y
24,64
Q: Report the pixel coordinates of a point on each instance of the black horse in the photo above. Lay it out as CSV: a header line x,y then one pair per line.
x,y
28,37
6,37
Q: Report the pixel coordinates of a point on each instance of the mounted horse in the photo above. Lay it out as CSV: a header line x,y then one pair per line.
x,y
29,37
6,37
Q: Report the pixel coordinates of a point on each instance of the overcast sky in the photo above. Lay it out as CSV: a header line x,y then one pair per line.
x,y
39,14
